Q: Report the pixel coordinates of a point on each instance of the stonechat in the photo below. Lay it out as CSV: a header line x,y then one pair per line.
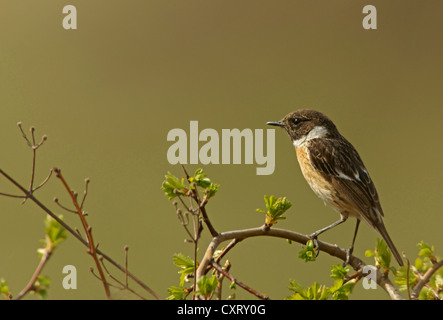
x,y
335,172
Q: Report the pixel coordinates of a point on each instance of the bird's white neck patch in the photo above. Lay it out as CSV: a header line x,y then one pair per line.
x,y
317,132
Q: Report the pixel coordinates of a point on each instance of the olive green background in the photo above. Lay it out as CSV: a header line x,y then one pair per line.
x,y
108,93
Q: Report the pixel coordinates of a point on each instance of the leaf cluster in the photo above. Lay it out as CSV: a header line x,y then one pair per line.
x,y
340,290
405,277
381,254
55,234
173,186
309,253
275,208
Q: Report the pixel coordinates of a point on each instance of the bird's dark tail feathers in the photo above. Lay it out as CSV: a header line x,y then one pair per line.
x,y
382,230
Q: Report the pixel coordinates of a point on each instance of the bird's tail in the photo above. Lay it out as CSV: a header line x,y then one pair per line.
x,y
384,233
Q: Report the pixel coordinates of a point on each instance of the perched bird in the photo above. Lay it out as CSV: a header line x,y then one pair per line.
x,y
335,172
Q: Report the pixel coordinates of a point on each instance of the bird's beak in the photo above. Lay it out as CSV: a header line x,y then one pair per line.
x,y
275,123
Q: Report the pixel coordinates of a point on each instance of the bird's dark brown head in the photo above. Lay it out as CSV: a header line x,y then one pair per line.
x,y
304,125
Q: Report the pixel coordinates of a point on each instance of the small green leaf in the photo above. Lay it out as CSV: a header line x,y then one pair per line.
x,y
369,253
339,272
186,265
200,179
176,293
382,254
40,286
212,189
55,232
172,186
275,208
206,286
308,254
4,289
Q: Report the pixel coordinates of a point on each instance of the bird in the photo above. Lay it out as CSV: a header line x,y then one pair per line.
x,y
335,172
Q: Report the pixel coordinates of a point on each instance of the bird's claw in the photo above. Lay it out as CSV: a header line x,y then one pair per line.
x,y
348,256
314,240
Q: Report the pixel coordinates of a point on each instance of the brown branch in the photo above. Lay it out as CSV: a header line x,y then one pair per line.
x,y
92,250
76,234
239,283
201,206
11,195
30,285
331,249
122,286
426,277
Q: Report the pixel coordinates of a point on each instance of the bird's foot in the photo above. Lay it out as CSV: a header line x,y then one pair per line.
x,y
313,237
348,256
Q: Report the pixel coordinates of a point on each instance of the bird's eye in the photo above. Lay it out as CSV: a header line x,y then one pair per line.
x,y
296,120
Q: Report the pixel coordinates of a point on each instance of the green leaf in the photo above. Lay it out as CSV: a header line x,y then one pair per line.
x,y
339,272
382,255
172,186
40,286
4,289
186,265
206,286
308,254
401,276
369,253
212,189
341,290
176,293
275,208
55,231
315,292
200,179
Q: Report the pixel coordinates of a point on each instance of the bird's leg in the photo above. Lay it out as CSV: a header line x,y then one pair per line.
x,y
351,249
315,234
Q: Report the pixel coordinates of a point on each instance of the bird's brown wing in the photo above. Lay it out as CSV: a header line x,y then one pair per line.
x,y
338,162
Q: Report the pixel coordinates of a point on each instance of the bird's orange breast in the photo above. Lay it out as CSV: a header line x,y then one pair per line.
x,y
321,187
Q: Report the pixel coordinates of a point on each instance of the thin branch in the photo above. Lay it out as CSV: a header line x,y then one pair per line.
x,y
34,148
12,195
408,264
87,180
76,234
239,283
122,286
19,124
30,285
201,206
44,181
426,277
333,250
227,249
63,207
92,249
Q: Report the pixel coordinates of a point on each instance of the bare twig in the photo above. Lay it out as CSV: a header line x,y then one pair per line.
x,y
227,249
30,285
87,180
239,283
92,249
44,181
63,207
11,195
76,234
408,265
122,285
34,147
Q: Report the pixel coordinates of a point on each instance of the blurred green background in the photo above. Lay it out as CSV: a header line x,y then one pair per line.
x,y
108,93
